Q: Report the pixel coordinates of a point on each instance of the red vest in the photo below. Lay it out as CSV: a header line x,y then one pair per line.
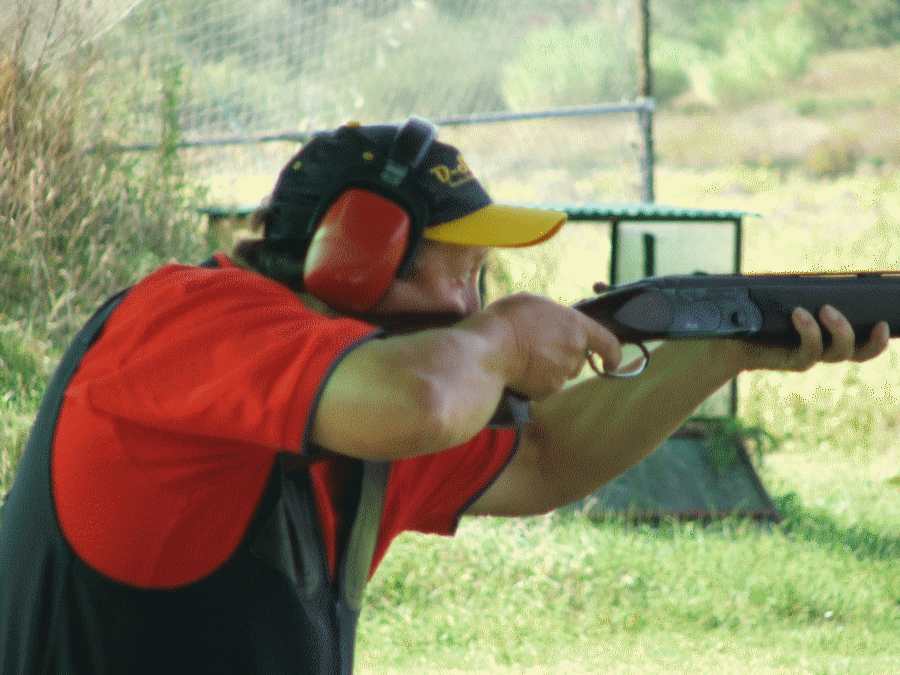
x,y
270,608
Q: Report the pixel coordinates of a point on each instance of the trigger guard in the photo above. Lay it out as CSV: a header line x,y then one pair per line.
x,y
621,376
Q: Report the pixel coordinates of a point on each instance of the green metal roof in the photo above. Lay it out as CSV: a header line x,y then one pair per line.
x,y
643,211
576,212
237,211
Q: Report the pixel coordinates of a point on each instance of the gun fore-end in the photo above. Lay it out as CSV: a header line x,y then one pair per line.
x,y
757,308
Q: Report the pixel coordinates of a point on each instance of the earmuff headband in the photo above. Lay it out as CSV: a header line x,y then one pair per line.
x,y
410,146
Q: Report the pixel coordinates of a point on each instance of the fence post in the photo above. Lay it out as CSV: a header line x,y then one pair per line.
x,y
645,121
645,93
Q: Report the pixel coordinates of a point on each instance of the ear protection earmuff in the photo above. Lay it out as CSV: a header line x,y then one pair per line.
x,y
367,234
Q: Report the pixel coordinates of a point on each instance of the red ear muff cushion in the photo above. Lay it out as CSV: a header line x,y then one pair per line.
x,y
356,250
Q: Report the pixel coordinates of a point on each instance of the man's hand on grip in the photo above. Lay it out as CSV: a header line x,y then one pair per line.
x,y
549,343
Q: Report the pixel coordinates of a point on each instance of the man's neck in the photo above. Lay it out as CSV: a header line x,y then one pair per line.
x,y
308,300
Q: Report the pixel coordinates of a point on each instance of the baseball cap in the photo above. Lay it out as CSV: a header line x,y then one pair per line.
x,y
440,190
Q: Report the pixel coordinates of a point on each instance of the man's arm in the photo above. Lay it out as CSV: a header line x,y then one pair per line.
x,y
585,435
414,394
424,392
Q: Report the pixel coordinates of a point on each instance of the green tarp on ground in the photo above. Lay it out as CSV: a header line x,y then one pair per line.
x,y
684,478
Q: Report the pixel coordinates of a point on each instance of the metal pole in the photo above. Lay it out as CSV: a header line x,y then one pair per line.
x,y
645,121
645,73
645,93
638,107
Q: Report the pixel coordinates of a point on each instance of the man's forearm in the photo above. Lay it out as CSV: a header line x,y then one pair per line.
x,y
592,431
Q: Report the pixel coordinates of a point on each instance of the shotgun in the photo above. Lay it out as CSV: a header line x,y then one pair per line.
x,y
753,307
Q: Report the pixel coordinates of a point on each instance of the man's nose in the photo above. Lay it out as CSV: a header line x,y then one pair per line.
x,y
464,298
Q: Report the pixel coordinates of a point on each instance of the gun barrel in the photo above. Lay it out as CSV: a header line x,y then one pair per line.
x,y
751,307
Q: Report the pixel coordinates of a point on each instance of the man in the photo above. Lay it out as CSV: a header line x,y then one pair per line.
x,y
227,451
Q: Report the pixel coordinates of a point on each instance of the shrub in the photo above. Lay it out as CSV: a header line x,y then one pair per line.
x,y
808,106
840,24
833,156
570,64
702,23
420,62
672,62
769,45
77,225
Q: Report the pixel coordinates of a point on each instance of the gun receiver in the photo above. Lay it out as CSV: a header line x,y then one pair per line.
x,y
754,307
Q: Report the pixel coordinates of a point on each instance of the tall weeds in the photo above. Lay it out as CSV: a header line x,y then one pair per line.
x,y
77,224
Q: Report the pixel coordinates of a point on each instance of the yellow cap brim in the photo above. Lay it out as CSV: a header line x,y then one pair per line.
x,y
496,225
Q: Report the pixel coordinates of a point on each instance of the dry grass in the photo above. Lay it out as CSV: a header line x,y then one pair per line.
x,y
845,95
74,226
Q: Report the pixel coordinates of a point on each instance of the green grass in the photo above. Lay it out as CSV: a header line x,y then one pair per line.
x,y
560,590
819,592
24,371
